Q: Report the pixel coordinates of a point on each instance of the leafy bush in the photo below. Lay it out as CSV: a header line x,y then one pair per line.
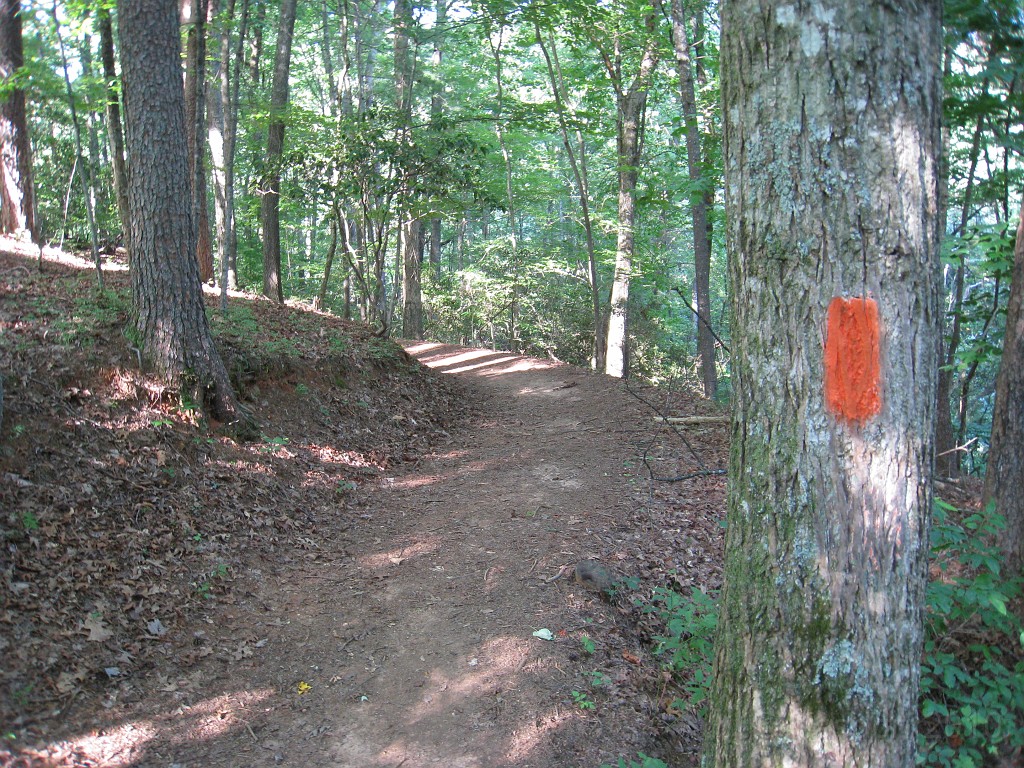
x,y
972,673
972,670
690,624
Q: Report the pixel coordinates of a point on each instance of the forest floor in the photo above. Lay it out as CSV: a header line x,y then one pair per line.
x,y
362,586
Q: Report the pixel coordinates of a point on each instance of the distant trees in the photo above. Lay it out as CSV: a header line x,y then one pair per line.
x,y
270,191
17,206
520,204
832,112
170,323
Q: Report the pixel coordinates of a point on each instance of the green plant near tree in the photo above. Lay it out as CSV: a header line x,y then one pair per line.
x,y
972,674
972,670
690,624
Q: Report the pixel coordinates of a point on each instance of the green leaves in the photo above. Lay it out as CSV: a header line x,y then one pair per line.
x,y
972,675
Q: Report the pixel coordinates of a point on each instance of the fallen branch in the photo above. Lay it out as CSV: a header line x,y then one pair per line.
x,y
693,419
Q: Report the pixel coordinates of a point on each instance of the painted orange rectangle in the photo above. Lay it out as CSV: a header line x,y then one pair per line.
x,y
853,365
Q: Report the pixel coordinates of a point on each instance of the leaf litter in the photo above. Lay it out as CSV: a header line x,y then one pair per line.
x,y
136,538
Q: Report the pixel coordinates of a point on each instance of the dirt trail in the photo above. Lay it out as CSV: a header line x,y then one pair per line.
x,y
408,640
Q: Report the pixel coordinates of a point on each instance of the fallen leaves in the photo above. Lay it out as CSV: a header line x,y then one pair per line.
x,y
122,517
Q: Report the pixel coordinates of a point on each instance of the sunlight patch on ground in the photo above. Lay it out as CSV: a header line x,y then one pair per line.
x,y
30,251
486,676
330,455
485,361
526,739
419,481
116,747
125,745
396,556
216,716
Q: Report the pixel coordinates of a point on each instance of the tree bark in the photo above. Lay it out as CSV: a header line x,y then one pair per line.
x,y
632,104
832,137
700,201
195,120
115,133
270,201
436,114
17,202
412,309
170,320
1005,475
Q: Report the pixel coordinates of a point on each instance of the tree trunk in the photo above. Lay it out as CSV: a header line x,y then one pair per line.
x,y
699,201
832,137
17,203
412,310
579,172
270,201
115,133
947,461
1005,475
195,121
321,296
436,114
86,177
170,320
632,105
499,132
411,238
222,108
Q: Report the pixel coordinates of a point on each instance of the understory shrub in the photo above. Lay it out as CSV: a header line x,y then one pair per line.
x,y
972,669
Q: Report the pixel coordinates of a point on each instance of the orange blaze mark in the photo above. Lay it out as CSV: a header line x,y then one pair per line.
x,y
853,360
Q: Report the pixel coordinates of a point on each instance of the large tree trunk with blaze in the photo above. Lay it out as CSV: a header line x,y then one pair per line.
x,y
832,143
17,205
1005,475
170,319
270,202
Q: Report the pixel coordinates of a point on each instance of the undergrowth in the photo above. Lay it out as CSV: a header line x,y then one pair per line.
x,y
972,668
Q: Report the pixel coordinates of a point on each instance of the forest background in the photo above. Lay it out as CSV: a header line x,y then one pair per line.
x,y
541,177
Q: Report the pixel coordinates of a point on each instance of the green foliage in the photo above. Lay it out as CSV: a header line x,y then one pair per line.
x,y
972,674
690,624
581,700
29,521
588,645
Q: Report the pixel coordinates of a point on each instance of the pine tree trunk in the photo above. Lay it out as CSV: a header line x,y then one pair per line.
x,y
1005,475
832,113
17,203
270,201
170,320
